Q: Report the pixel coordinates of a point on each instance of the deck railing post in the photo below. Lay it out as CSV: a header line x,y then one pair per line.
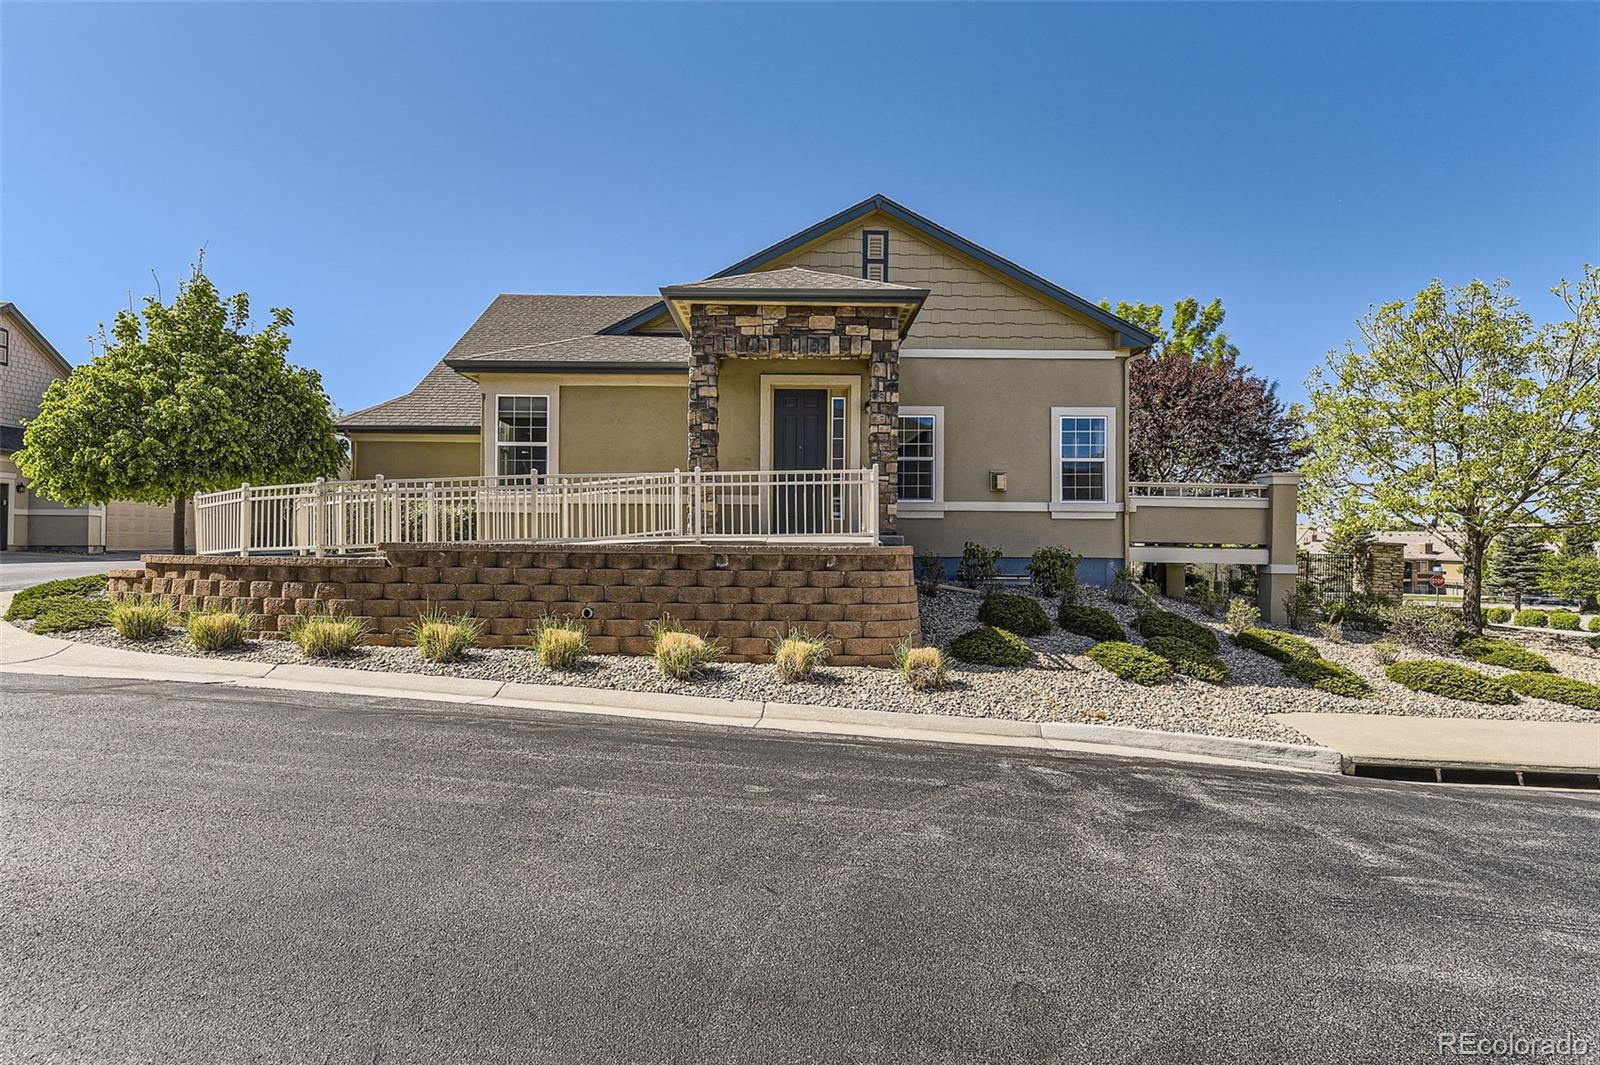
x,y
430,514
697,504
244,520
379,510
677,501
872,506
318,535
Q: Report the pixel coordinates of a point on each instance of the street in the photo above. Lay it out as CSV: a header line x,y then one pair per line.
x,y
19,569
217,875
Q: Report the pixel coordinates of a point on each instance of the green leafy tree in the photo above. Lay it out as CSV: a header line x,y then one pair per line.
x,y
182,398
1573,572
1195,331
1455,414
1516,562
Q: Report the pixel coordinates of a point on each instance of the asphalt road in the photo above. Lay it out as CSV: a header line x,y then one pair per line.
x,y
20,569
220,875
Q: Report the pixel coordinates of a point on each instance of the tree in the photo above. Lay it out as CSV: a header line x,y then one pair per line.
x,y
1515,563
1573,572
1195,333
1455,414
182,398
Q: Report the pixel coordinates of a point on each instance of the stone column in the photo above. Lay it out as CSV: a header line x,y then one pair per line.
x,y
703,420
883,424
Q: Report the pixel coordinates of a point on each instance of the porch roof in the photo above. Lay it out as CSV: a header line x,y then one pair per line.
x,y
794,285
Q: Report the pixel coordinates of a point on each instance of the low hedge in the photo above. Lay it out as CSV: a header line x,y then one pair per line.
x,y
1451,681
1020,614
1564,619
1280,645
1165,623
989,646
1533,619
1188,659
1556,689
67,613
1499,614
1488,651
1090,621
28,603
1328,677
1131,662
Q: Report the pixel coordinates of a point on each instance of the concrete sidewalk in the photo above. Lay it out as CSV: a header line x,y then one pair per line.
x,y
1557,746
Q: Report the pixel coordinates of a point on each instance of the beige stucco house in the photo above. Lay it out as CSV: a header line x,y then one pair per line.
x,y
990,402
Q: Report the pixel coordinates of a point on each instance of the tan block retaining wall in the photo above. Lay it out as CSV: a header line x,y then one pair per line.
x,y
863,597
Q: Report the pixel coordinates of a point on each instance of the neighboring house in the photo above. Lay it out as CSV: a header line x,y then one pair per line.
x,y
28,364
1423,552
992,402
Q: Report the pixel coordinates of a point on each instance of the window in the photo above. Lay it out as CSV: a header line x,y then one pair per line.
x,y
918,457
522,435
1082,457
5,346
839,420
875,254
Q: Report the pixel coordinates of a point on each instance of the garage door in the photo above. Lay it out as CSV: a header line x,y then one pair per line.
x,y
142,527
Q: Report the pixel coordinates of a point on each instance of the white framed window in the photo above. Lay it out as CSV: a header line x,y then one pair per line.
x,y
920,463
522,435
1083,456
838,432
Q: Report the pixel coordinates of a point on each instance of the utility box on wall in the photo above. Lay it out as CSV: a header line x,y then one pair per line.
x,y
997,480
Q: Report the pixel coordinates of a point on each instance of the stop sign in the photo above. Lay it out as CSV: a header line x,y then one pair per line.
x,y
1437,580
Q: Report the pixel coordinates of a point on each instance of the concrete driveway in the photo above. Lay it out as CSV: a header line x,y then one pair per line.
x,y
222,874
22,569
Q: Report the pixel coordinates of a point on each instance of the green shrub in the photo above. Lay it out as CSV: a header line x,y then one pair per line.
x,y
1426,628
1556,689
140,617
1188,659
1328,677
1386,652
1361,611
799,655
1450,680
680,654
216,630
1131,662
68,613
977,567
1488,651
440,637
1055,572
1283,646
560,642
1499,615
1020,614
1302,604
1564,619
989,646
27,604
930,573
1090,621
1163,623
1594,623
1532,619
326,635
922,667
1242,614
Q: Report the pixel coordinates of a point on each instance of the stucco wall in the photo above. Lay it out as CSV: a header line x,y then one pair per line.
x,y
1017,533
1206,525
414,456
622,428
739,409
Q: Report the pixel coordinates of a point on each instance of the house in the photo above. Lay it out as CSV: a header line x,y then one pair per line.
x,y
29,363
990,402
1424,555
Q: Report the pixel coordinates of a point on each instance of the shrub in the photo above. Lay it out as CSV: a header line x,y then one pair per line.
x,y
989,646
140,617
28,603
977,565
799,655
1242,614
1124,588
1491,652
1499,614
680,654
1426,628
1533,619
326,635
1303,604
930,572
1328,677
1332,631
1211,601
1055,572
68,613
1131,662
560,642
1020,614
1283,646
1188,659
1090,621
1386,652
1564,619
1594,623
1556,689
216,630
1165,623
1450,680
922,667
442,638
1362,611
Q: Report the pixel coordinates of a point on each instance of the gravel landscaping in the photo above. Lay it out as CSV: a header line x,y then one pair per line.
x,y
1061,684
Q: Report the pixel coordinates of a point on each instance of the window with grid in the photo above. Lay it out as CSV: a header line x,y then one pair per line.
x,y
916,458
1083,459
522,435
875,254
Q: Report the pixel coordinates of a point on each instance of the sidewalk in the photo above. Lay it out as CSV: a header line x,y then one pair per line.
x,y
1554,746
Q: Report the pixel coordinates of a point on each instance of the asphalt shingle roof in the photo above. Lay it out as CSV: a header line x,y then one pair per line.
x,y
442,400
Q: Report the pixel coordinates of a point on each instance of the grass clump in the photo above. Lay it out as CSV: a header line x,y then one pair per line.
x,y
216,630
1131,662
1564,619
1283,646
1186,658
1451,681
1530,619
1577,693
681,654
560,642
440,637
989,646
326,635
799,655
1165,623
67,613
922,667
139,617
28,604
1020,614
1090,621
1488,651
1328,677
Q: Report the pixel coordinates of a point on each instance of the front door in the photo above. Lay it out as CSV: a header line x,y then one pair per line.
x,y
799,442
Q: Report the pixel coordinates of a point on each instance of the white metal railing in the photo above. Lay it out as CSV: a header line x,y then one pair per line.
x,y
321,517
1195,490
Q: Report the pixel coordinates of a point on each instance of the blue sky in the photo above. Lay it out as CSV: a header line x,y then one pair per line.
x,y
385,170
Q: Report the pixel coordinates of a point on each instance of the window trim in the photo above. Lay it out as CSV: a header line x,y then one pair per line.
x,y
1066,508
549,434
925,508
866,260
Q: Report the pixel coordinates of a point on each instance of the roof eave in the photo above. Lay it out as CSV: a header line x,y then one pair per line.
x,y
469,366
439,430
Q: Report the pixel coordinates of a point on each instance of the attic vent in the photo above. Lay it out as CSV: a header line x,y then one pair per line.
x,y
875,254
